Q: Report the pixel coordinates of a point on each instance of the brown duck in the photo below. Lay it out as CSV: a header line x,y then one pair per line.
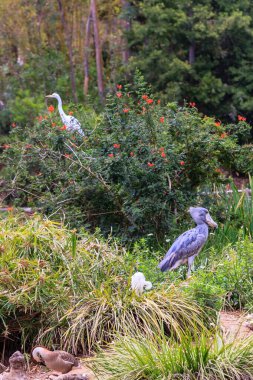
x,y
59,361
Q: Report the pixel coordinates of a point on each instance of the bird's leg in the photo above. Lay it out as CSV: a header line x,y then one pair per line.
x,y
190,265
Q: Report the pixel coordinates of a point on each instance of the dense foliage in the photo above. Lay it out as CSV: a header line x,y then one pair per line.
x,y
137,170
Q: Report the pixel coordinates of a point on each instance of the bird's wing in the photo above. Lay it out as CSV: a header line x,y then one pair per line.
x,y
68,358
75,125
186,245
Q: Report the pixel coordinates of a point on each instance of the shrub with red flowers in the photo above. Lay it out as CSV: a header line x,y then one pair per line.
x,y
136,171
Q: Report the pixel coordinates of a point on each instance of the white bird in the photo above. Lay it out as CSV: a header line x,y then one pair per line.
x,y
139,283
60,361
71,122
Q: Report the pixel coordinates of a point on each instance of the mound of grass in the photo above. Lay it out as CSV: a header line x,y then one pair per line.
x,y
72,291
157,357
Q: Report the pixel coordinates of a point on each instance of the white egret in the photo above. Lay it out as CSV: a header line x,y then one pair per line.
x,y
71,122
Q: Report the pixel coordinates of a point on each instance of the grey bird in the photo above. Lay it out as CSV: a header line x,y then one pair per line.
x,y
188,245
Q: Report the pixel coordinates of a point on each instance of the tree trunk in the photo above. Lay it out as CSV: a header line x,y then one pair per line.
x,y
192,53
68,39
126,27
86,55
99,61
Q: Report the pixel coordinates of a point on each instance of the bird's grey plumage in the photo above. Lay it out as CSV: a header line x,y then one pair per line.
x,y
189,244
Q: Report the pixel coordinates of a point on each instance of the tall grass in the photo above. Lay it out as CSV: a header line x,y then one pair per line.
x,y
157,357
70,290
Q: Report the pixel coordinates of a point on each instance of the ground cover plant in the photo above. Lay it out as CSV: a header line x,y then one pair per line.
x,y
70,290
158,357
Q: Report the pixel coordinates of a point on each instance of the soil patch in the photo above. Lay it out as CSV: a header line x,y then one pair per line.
x,y
234,325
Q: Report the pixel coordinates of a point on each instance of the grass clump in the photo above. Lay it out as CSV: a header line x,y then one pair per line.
x,y
157,357
71,291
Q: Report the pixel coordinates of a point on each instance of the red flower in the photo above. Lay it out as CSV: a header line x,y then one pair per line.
x,y
67,155
144,97
223,135
149,101
28,146
241,118
51,108
53,124
150,164
131,154
40,118
163,155
6,146
161,119
119,94
192,104
218,124
117,146
126,110
111,155
182,163
161,149
158,101
119,86
63,128
70,113
13,125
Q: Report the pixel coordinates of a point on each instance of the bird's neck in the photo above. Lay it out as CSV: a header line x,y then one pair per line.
x,y
60,109
203,228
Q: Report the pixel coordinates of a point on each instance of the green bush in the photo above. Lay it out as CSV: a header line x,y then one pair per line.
x,y
137,170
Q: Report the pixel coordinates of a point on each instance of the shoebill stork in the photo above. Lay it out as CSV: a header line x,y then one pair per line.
x,y
71,122
189,244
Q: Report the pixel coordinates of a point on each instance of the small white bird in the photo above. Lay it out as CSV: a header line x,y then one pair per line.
x,y
139,283
71,122
59,361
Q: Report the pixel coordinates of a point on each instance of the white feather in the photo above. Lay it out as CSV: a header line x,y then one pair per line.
x,y
139,283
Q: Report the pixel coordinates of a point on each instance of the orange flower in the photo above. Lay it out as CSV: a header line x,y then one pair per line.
x,y
70,113
111,155
218,124
119,94
51,108
53,124
161,149
241,118
9,208
223,135
161,119
192,104
117,146
63,128
158,101
67,155
163,155
150,164
144,97
126,110
13,125
119,86
218,170
149,101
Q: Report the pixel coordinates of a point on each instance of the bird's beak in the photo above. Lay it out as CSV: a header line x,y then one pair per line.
x,y
48,96
210,221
